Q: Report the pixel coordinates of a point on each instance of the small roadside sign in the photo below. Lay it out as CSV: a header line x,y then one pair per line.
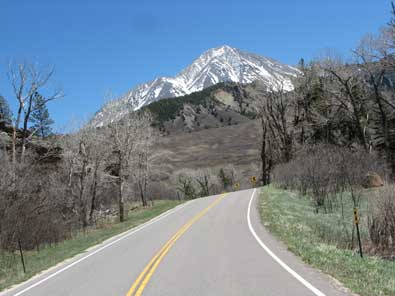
x,y
356,217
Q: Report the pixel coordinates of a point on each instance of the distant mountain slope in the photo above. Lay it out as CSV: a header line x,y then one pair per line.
x,y
213,66
223,104
237,145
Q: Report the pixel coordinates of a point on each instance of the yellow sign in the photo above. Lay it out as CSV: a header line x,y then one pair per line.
x,y
253,179
237,185
356,217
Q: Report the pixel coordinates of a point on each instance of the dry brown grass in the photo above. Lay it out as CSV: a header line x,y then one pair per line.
x,y
216,147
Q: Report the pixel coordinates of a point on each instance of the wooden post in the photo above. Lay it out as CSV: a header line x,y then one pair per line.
x,y
21,253
356,220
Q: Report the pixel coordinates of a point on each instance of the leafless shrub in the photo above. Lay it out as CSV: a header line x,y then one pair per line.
x,y
228,176
382,218
31,211
323,171
160,191
207,182
197,183
185,184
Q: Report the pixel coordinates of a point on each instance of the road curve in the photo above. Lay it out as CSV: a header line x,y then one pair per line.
x,y
209,246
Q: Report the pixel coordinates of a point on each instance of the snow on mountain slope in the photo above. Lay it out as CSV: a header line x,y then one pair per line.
x,y
213,66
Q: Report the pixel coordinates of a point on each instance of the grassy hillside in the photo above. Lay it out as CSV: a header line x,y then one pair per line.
x,y
214,147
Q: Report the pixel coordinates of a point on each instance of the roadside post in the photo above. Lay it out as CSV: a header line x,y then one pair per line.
x,y
253,181
356,221
237,186
21,253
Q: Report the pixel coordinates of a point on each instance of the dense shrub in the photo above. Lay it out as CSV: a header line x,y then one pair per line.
x,y
34,209
382,218
159,190
192,184
322,171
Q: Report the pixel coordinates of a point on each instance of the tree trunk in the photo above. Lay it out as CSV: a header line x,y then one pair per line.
x,y
142,195
82,204
25,125
84,219
263,160
94,192
120,200
14,136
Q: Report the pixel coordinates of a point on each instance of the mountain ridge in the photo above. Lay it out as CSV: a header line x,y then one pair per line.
x,y
221,64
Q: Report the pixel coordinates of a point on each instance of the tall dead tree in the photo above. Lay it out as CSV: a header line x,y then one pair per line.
x,y
99,158
277,119
266,153
127,135
85,154
142,158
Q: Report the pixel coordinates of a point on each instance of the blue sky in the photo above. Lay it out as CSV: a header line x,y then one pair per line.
x,y
100,46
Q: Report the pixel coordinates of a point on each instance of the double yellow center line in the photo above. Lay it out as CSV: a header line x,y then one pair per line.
x,y
144,277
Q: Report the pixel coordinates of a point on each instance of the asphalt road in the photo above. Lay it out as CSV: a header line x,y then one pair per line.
x,y
209,246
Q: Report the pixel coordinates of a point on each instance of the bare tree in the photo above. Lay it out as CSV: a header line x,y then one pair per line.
x,y
28,81
373,60
348,95
185,184
277,123
142,157
197,183
127,135
85,155
207,181
266,153
76,157
99,139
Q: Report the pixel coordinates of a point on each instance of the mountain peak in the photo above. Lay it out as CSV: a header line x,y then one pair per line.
x,y
215,65
224,51
221,50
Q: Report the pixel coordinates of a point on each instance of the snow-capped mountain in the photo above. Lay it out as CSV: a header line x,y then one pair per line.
x,y
213,66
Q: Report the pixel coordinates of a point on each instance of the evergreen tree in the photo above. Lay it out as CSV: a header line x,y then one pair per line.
x,y
5,112
40,116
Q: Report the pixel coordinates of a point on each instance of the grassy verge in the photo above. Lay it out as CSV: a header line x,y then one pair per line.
x,y
292,219
11,270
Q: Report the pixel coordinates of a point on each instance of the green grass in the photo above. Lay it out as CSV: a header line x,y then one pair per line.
x,y
11,269
317,239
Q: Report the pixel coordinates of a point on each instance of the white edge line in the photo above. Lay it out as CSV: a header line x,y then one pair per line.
x,y
123,236
277,259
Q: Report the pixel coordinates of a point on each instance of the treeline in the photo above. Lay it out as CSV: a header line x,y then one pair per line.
x,y
191,184
337,103
52,186
336,131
